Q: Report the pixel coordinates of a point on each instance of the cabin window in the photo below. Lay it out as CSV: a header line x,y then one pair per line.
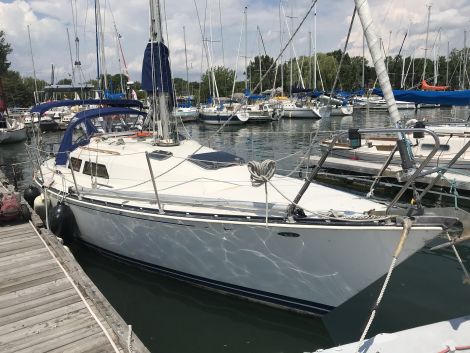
x,y
160,155
96,169
216,160
76,163
430,146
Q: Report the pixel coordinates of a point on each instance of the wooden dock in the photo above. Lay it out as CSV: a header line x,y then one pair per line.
x,y
462,182
47,302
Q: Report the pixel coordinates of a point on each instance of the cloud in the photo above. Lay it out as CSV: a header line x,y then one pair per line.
x,y
48,20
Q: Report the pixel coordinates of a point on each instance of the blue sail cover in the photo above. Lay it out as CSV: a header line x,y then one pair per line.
x,y
85,117
44,107
161,72
111,95
460,98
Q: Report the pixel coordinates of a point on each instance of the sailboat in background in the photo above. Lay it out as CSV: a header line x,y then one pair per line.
x,y
11,129
184,109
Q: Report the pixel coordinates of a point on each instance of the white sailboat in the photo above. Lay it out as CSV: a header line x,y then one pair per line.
x,y
203,216
11,130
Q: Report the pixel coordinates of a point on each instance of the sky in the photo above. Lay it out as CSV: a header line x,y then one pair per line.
x,y
49,20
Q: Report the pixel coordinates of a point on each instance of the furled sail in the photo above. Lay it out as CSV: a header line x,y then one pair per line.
x,y
161,71
426,87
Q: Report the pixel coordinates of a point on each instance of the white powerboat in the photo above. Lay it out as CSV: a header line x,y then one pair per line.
x,y
186,114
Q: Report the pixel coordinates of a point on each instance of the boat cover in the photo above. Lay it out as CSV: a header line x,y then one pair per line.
x,y
85,117
460,98
44,107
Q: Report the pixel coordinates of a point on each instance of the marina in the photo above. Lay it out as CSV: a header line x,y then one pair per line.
x,y
284,205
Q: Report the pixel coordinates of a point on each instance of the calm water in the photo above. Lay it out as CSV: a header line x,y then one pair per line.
x,y
170,316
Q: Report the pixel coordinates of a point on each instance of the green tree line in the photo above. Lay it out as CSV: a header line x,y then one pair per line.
x,y
19,90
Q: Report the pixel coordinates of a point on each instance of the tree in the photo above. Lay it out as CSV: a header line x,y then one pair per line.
x,y
5,50
222,75
254,74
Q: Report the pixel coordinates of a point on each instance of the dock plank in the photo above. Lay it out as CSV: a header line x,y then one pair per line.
x,y
30,303
17,316
39,252
43,289
68,310
23,281
51,337
93,343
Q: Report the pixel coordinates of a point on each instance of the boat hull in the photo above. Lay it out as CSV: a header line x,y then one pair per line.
x,y
13,136
300,113
301,267
220,119
186,116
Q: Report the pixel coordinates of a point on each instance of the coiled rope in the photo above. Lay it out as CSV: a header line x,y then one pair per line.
x,y
261,173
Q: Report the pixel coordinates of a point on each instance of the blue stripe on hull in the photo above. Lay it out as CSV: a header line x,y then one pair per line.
x,y
239,291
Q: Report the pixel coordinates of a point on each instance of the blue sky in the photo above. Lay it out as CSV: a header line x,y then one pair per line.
x,y
48,20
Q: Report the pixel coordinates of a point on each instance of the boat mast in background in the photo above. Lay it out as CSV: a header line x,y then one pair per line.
x,y
315,48
34,69
246,49
71,59
426,45
186,60
373,43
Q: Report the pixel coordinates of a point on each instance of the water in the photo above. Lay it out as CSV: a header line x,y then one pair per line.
x,y
171,316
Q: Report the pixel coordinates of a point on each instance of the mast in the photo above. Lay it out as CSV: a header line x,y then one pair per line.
x,y
309,58
363,60
315,48
246,49
186,59
259,62
34,68
363,11
280,41
290,47
71,59
464,71
447,64
156,36
97,45
221,35
426,44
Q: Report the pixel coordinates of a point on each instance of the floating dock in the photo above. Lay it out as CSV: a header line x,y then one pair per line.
x,y
460,181
47,302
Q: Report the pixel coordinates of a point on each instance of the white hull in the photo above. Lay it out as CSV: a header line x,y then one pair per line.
x,y
342,110
438,337
220,119
299,113
303,267
186,115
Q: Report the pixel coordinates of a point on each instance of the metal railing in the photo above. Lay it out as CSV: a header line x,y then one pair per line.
x,y
417,172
